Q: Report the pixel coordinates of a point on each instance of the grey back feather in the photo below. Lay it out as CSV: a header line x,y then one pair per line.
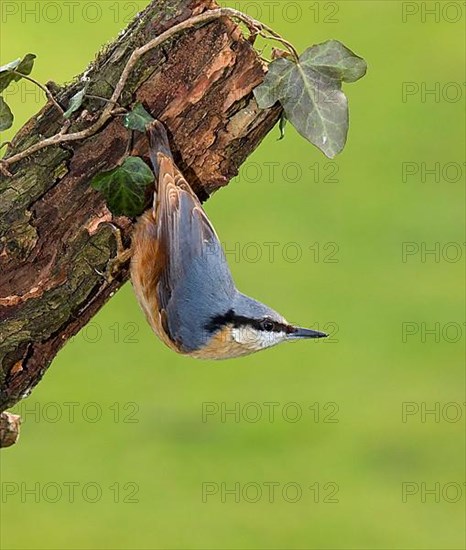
x,y
200,278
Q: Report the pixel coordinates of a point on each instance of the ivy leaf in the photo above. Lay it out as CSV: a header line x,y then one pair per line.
x,y
124,187
334,59
271,90
26,65
310,92
137,119
8,71
75,102
9,66
6,116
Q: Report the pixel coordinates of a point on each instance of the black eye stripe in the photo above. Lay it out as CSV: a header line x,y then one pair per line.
x,y
280,327
220,321
239,321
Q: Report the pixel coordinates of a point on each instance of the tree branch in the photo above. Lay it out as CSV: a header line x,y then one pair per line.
x,y
254,27
53,238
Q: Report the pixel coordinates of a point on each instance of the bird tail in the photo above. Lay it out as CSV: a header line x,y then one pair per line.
x,y
158,145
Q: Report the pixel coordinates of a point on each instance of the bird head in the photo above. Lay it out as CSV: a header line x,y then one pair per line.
x,y
250,326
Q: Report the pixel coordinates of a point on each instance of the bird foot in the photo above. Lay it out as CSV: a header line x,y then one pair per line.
x,y
121,258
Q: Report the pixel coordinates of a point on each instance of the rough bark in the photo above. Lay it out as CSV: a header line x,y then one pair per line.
x,y
52,239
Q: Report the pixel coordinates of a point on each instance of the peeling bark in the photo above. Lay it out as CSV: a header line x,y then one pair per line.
x,y
52,232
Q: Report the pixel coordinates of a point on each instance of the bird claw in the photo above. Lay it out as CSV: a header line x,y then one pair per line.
x,y
121,258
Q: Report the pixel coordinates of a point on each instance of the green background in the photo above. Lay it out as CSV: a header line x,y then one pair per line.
x,y
360,378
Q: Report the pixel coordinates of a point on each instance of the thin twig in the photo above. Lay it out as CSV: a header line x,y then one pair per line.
x,y
105,99
254,26
65,128
47,92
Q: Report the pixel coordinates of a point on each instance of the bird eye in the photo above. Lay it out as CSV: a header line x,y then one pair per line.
x,y
267,324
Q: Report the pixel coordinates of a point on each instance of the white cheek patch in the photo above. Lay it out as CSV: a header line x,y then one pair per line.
x,y
256,339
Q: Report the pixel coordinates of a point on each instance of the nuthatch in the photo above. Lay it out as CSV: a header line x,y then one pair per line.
x,y
182,279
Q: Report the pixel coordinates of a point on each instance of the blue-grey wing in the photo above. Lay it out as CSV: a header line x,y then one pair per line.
x,y
196,282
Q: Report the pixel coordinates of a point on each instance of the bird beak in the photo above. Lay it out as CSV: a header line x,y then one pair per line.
x,y
306,333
